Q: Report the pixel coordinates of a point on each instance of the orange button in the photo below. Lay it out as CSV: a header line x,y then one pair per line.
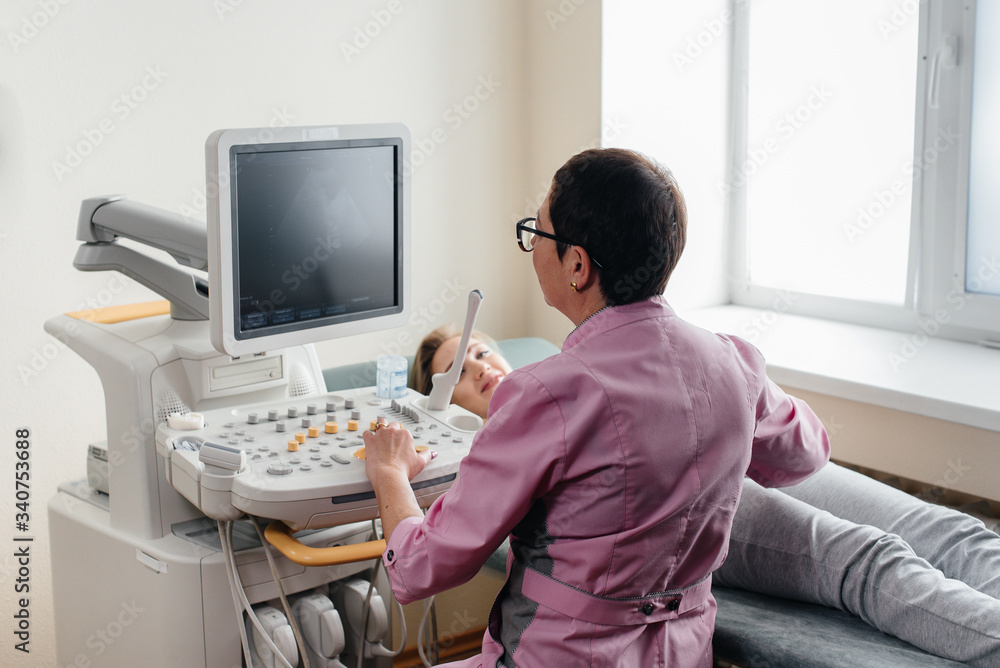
x,y
293,446
300,437
332,427
352,425
372,428
313,432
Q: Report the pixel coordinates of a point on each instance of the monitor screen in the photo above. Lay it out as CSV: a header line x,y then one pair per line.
x,y
311,235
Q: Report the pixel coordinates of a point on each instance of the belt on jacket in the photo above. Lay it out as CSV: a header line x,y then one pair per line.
x,y
632,611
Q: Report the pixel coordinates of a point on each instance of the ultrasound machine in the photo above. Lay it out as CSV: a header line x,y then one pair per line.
x,y
219,421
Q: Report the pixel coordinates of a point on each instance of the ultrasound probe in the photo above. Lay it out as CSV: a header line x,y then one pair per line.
x,y
443,384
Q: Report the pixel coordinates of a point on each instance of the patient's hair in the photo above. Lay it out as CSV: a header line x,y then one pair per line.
x,y
629,211
420,374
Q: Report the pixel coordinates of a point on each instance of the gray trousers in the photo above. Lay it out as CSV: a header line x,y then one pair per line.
x,y
923,573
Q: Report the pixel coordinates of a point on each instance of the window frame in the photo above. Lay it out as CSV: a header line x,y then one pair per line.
x,y
935,301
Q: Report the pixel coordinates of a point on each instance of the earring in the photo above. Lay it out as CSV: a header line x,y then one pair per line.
x,y
573,285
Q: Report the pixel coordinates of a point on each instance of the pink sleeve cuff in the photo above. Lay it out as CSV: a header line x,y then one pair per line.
x,y
398,548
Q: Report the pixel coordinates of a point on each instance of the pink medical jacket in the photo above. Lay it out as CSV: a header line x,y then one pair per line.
x,y
615,468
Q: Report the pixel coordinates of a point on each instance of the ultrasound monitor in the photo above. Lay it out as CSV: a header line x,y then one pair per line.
x,y
308,234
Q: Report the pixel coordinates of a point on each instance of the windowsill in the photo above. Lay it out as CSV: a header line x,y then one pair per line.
x,y
949,380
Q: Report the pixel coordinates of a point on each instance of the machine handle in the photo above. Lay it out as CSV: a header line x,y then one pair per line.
x,y
280,536
114,314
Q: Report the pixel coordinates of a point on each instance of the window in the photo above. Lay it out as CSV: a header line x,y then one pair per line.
x,y
983,235
855,191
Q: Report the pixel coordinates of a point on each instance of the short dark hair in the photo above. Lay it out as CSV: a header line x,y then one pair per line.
x,y
629,211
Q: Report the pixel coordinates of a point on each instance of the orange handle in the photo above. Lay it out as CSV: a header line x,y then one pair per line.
x,y
112,314
280,536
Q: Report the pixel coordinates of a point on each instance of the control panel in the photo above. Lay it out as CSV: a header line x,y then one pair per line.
x,y
301,460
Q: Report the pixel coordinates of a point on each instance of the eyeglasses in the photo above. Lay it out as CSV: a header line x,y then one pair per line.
x,y
527,233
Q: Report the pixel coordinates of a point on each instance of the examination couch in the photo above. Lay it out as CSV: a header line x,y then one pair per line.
x,y
751,630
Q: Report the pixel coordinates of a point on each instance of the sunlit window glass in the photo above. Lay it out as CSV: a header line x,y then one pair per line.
x,y
829,163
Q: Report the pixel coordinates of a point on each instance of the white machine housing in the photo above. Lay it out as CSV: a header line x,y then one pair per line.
x,y
138,572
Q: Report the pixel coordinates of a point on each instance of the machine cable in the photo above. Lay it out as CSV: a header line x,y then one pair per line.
x,y
237,585
377,648
427,636
281,594
244,641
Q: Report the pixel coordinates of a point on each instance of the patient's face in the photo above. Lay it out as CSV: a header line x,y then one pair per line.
x,y
482,371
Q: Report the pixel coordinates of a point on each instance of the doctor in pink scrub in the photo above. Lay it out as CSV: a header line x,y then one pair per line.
x,y
614,466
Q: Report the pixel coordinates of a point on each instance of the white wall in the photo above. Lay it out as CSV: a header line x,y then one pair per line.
x,y
186,68
665,93
650,76
137,87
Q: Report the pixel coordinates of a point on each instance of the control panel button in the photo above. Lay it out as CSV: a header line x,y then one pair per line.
x,y
279,469
331,427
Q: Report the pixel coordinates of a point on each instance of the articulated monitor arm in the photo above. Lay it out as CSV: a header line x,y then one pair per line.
x,y
103,220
